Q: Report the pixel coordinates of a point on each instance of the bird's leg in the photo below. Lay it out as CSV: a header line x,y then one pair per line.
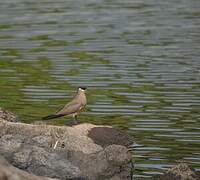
x,y
75,119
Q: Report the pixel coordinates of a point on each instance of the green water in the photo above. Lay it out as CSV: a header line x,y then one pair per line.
x,y
139,60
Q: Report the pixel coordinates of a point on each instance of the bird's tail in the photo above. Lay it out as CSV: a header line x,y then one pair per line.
x,y
52,116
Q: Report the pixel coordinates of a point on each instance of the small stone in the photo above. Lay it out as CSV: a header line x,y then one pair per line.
x,y
181,171
8,116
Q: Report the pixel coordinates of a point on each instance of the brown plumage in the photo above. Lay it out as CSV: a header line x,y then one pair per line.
x,y
74,107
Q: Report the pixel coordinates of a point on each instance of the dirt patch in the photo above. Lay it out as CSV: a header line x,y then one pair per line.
x,y
105,136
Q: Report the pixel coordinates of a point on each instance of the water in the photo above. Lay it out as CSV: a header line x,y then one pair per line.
x,y
139,60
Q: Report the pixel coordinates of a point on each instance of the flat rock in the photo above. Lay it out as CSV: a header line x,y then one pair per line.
x,y
64,152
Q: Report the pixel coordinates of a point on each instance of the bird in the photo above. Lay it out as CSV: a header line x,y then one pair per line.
x,y
74,107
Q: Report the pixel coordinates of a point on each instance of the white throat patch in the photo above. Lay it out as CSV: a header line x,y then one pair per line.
x,y
81,89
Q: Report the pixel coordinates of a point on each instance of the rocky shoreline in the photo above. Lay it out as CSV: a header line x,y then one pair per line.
x,y
63,152
81,152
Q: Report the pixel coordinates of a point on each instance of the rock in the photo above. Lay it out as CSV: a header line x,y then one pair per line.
x,y
8,172
62,152
8,116
181,171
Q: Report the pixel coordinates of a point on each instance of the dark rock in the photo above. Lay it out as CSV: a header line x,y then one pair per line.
x,y
181,171
8,116
105,136
75,156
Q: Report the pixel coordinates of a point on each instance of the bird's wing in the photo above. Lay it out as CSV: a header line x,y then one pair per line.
x,y
70,108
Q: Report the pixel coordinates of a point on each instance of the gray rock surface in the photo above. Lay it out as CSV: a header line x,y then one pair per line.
x,y
181,171
76,156
8,172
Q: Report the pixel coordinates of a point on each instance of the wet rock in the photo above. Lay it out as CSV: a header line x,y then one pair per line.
x,y
8,116
181,171
66,152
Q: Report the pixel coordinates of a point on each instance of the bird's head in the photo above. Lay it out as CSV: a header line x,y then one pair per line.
x,y
82,89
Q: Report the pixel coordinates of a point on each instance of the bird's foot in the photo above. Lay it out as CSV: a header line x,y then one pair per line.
x,y
73,122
